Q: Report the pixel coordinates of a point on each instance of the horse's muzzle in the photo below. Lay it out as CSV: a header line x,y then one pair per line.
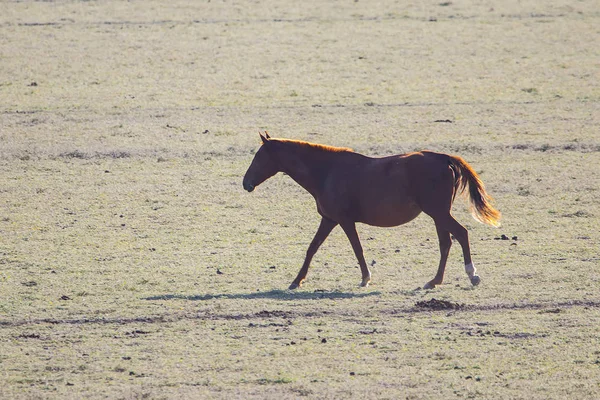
x,y
248,186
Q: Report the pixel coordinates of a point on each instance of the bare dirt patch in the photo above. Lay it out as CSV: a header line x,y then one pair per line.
x,y
437,305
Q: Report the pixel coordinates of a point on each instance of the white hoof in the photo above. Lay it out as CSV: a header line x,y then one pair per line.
x,y
475,279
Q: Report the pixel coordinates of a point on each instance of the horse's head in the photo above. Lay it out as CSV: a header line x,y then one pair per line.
x,y
263,166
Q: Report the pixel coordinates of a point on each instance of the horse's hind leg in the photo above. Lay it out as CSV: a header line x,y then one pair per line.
x,y
445,244
462,235
324,230
436,201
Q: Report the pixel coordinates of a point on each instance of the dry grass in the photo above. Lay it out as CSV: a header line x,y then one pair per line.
x,y
135,266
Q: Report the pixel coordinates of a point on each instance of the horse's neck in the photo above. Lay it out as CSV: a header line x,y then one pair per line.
x,y
308,167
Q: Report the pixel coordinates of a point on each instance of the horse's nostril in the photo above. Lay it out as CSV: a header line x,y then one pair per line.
x,y
248,186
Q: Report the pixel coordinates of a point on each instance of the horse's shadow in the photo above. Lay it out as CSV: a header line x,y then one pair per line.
x,y
271,294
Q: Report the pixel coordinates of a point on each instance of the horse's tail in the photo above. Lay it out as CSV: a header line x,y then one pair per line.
x,y
481,202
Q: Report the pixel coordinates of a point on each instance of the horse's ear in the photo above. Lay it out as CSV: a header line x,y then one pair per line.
x,y
264,139
267,135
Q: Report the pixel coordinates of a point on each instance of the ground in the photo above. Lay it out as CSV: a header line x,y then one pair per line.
x,y
134,265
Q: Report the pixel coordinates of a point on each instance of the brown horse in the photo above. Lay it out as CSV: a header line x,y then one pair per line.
x,y
349,188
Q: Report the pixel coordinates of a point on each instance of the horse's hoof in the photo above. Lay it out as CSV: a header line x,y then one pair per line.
x,y
475,279
294,285
429,285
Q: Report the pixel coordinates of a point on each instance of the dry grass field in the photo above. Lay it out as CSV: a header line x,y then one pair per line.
x,y
134,266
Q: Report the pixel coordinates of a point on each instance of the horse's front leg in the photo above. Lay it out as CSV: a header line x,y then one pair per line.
x,y
350,230
324,230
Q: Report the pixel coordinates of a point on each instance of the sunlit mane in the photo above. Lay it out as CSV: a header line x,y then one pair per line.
x,y
322,147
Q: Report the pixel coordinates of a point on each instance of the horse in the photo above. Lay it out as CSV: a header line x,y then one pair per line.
x,y
351,188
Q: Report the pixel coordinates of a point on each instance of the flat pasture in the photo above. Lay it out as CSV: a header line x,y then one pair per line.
x,y
133,265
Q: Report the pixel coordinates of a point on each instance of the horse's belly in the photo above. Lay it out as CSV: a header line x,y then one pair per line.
x,y
389,214
377,195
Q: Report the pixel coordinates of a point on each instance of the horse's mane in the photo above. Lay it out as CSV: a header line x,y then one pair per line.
x,y
316,146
